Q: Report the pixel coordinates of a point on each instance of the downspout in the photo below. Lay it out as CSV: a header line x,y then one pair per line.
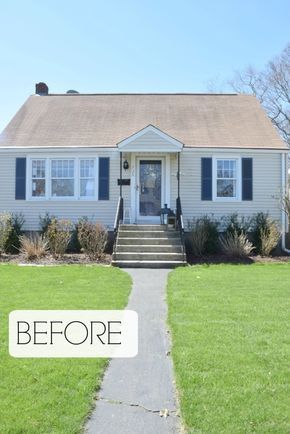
x,y
284,191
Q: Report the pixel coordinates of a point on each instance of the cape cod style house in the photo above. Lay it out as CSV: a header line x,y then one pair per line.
x,y
124,156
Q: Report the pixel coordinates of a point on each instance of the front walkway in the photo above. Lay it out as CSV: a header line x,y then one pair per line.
x,y
135,391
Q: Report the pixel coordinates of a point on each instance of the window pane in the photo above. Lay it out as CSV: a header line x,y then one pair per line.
x,y
38,168
87,187
226,168
226,188
38,188
234,168
54,168
62,168
219,168
87,168
62,187
71,169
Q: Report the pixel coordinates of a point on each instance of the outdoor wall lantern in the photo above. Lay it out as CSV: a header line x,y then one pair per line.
x,y
125,165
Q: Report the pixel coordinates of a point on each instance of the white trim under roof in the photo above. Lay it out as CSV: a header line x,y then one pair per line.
x,y
171,145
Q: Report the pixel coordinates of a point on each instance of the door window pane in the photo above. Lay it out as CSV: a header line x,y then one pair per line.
x,y
150,188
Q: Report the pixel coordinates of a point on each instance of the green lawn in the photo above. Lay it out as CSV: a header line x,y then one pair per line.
x,y
52,395
230,331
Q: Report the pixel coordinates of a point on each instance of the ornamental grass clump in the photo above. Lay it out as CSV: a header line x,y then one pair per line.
x,y
236,244
33,246
59,234
5,230
92,238
265,234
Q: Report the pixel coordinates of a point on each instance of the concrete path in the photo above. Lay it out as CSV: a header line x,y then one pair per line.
x,y
134,391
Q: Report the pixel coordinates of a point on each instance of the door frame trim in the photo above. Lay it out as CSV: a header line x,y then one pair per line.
x,y
165,181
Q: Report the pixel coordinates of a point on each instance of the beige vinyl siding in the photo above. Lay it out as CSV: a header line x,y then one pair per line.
x,y
266,185
103,210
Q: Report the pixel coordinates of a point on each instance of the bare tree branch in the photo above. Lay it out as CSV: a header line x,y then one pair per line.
x,y
272,87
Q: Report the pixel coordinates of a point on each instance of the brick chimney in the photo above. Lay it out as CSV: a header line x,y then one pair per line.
x,y
41,89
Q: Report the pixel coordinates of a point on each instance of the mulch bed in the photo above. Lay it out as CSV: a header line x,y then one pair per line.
x,y
68,258
80,258
223,259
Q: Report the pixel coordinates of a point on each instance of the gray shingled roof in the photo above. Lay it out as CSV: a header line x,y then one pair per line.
x,y
196,120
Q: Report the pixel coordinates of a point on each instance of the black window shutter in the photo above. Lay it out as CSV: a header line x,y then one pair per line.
x,y
20,179
247,179
104,178
206,179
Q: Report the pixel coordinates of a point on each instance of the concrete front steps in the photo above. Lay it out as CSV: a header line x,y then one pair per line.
x,y
148,246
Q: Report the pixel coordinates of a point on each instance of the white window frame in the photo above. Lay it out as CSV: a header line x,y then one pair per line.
x,y
51,178
48,178
95,197
237,198
31,179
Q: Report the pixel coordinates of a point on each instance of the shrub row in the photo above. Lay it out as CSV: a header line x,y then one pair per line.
x,y
234,235
240,236
56,236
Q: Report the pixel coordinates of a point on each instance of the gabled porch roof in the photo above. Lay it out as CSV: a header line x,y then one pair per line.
x,y
150,139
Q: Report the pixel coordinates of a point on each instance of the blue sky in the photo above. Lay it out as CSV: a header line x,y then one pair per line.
x,y
132,46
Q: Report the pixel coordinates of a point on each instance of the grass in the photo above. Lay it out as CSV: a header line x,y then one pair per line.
x,y
52,395
230,332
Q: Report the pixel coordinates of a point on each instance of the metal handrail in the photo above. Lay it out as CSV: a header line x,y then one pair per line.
x,y
118,219
180,224
119,214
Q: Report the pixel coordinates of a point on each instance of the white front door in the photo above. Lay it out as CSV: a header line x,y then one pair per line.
x,y
149,188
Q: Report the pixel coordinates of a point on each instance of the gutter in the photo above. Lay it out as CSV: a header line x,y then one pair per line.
x,y
284,191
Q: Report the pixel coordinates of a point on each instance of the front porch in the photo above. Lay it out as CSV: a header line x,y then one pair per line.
x,y
149,179
149,175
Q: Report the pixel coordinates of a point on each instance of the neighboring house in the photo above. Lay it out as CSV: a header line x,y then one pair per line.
x,y
68,153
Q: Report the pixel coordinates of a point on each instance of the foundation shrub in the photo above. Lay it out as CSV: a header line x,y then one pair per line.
x,y
92,238
13,242
204,235
45,221
233,223
59,234
6,229
265,234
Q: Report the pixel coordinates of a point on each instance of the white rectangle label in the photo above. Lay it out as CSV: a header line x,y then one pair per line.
x,y
73,333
